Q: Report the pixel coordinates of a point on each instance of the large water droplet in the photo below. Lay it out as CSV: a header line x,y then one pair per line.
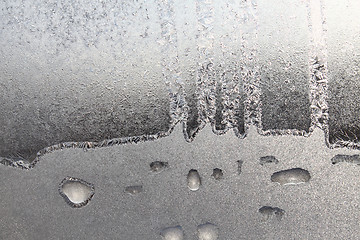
x,y
291,176
193,180
76,192
208,231
172,233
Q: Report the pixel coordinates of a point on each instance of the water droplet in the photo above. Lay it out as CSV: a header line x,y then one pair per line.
x,y
279,213
355,159
268,159
217,173
208,231
158,166
268,211
172,233
291,176
240,163
193,180
134,189
76,192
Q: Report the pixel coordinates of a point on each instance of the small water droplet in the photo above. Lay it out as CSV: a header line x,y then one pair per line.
x,y
279,213
240,163
268,159
172,233
158,166
217,173
268,211
76,192
193,180
134,189
208,231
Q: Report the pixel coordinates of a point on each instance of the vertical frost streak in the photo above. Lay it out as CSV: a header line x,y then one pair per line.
x,y
230,84
249,65
206,79
343,54
170,61
318,66
283,53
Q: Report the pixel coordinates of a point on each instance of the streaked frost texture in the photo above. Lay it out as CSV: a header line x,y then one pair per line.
x,y
343,46
283,49
79,72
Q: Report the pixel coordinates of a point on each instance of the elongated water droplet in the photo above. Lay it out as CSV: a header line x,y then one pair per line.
x,y
291,176
158,166
355,159
268,159
240,163
134,189
193,180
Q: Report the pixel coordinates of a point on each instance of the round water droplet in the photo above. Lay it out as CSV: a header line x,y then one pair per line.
x,y
76,192
193,180
208,231
172,233
217,173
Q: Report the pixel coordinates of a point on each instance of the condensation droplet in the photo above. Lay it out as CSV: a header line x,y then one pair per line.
x,y
217,173
291,176
193,180
268,211
208,231
240,163
76,192
158,166
354,159
268,159
134,189
172,233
